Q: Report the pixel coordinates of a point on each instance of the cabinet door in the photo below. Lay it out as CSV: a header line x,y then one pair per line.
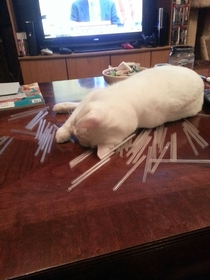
x,y
160,56
141,57
45,70
85,67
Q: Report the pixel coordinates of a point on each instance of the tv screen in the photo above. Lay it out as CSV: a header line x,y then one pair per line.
x,y
90,22
85,25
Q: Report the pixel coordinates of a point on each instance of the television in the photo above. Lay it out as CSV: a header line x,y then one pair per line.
x,y
70,24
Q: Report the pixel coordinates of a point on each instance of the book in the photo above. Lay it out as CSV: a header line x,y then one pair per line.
x,y
27,95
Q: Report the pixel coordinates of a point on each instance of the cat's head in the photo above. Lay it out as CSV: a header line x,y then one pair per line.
x,y
96,125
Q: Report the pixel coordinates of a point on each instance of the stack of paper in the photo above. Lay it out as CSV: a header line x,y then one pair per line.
x,y
12,95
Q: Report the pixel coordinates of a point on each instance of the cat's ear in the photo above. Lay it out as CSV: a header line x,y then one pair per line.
x,y
102,150
91,120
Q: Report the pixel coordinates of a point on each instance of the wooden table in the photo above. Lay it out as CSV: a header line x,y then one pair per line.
x,y
154,230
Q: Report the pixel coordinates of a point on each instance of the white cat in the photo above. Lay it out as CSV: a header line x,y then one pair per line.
x,y
148,99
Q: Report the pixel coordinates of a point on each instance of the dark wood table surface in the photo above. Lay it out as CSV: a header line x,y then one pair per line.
x,y
154,230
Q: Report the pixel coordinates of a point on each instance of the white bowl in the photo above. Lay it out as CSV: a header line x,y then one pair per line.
x,y
114,79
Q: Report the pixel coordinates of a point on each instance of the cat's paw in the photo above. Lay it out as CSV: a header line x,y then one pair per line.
x,y
65,107
62,135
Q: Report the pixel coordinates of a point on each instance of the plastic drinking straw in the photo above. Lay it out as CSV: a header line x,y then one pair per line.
x,y
46,145
6,145
159,134
190,142
195,137
173,147
41,129
39,144
191,126
38,129
147,164
162,140
139,142
142,149
116,187
89,170
44,133
80,158
23,132
123,142
203,115
38,120
160,157
45,138
42,141
102,163
51,141
183,160
45,130
33,120
26,114
4,138
137,155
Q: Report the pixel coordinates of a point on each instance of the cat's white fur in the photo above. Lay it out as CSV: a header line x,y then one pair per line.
x,y
148,99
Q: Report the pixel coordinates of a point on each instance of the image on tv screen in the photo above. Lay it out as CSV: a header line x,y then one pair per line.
x,y
73,18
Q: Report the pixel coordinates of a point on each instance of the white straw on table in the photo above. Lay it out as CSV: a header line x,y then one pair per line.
x,y
4,138
102,163
89,170
6,145
37,121
134,158
42,142
38,129
191,126
45,147
203,115
162,140
23,132
41,128
196,138
139,142
51,141
182,160
173,148
34,119
80,158
43,134
116,187
116,147
147,165
159,158
26,114
190,142
46,138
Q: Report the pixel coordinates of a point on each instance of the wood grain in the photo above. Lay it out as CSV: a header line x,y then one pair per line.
x,y
93,232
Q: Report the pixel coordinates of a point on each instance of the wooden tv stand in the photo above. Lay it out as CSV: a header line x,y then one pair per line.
x,y
47,68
